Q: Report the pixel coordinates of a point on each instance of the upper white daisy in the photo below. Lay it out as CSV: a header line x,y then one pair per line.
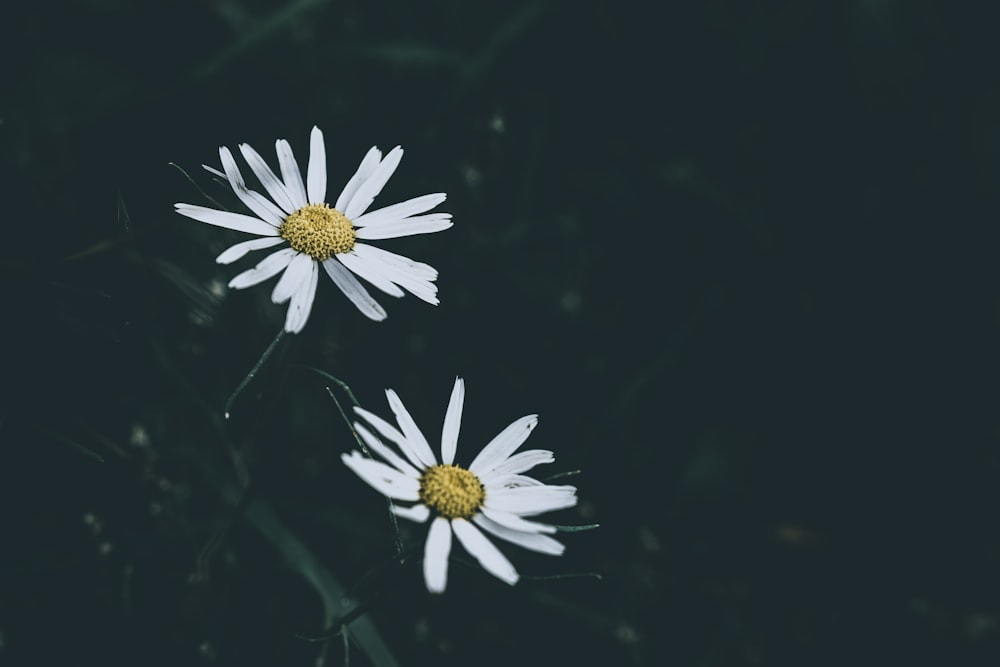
x,y
491,493
314,233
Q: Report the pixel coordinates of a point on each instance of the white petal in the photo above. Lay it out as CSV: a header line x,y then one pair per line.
x,y
267,211
293,279
237,221
290,173
452,422
390,267
518,463
529,500
397,212
534,541
369,271
268,267
419,513
370,188
240,249
353,290
302,301
365,169
436,552
484,551
213,170
414,437
514,522
390,456
385,479
503,445
408,227
316,175
399,263
511,482
389,432
271,183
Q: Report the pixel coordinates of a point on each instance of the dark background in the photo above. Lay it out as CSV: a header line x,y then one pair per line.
x,y
740,257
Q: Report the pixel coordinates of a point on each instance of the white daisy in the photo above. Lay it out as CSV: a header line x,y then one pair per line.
x,y
315,234
491,494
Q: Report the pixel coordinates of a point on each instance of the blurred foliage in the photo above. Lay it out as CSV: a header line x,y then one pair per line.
x,y
738,256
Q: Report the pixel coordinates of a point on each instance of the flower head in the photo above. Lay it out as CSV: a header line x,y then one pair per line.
x,y
313,233
490,495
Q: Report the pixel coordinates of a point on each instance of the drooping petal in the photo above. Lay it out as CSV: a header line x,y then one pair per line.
x,y
240,249
383,478
365,169
389,432
399,263
518,463
271,183
370,188
386,453
452,422
397,212
302,301
503,445
484,551
436,552
369,271
292,279
543,544
515,522
237,221
530,500
419,513
290,173
425,224
376,263
268,267
353,290
316,175
267,211
414,437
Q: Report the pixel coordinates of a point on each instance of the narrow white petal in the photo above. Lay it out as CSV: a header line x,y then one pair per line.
x,y
484,551
316,174
503,445
520,462
397,212
370,188
383,478
267,211
452,422
383,264
419,513
237,221
267,268
240,249
271,183
213,171
436,552
408,227
353,290
290,173
400,263
302,301
389,432
414,436
369,271
365,169
386,453
293,279
534,541
515,522
530,500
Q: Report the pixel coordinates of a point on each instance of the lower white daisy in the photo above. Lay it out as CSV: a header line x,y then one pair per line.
x,y
316,234
490,495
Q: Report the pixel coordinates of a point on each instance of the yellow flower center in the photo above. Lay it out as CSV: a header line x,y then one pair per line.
x,y
318,231
454,492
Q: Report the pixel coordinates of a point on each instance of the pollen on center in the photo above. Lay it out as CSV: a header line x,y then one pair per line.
x,y
454,492
318,231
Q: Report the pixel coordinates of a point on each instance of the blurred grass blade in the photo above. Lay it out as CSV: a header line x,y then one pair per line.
x,y
576,529
77,446
196,186
253,372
